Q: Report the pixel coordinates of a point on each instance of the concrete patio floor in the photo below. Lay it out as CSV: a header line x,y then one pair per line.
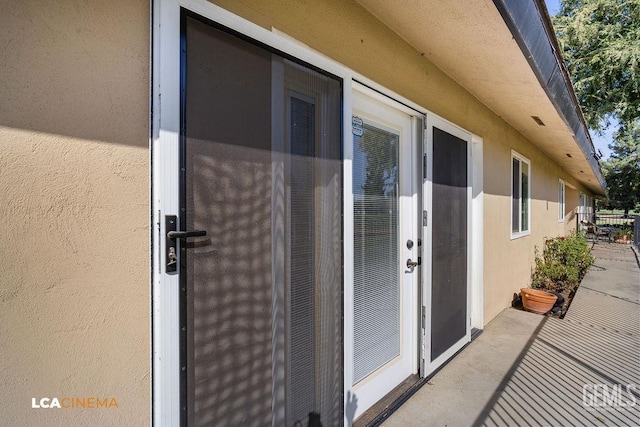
x,y
527,369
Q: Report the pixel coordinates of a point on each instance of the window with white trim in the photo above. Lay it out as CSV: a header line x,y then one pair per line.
x,y
520,195
561,200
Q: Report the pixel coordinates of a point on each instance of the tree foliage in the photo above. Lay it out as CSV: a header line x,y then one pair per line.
x,y
622,169
381,170
600,41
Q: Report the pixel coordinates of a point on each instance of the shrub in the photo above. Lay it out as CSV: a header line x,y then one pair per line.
x,y
563,263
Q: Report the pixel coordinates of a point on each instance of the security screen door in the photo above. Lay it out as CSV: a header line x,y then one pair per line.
x,y
384,241
449,312
261,294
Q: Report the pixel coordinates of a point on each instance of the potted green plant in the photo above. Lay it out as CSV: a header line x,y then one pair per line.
x,y
560,268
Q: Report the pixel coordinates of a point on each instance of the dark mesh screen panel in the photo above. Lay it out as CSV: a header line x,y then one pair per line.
x,y
262,153
449,270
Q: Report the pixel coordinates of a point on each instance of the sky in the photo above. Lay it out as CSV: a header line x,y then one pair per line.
x,y
553,6
600,142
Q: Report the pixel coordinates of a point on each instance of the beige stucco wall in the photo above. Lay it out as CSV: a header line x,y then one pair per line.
x,y
508,262
571,203
74,188
347,33
74,204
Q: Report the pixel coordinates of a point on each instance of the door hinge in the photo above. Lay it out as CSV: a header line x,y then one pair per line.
x,y
425,218
424,166
424,317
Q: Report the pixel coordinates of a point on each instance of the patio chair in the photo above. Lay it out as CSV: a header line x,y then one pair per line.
x,y
597,232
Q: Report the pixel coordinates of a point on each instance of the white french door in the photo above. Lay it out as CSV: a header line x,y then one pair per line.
x,y
385,203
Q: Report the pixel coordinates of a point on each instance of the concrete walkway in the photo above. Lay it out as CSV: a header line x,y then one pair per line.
x,y
527,369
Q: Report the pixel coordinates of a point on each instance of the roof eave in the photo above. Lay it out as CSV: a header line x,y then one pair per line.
x,y
537,40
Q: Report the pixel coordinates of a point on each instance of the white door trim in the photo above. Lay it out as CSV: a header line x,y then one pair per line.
x,y
477,233
474,240
164,184
165,135
375,104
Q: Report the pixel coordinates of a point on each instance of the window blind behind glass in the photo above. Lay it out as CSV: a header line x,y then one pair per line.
x,y
376,265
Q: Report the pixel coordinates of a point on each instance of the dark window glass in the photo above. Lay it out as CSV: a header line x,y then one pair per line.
x,y
515,196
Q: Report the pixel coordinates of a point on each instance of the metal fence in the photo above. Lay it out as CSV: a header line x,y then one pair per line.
x,y
610,227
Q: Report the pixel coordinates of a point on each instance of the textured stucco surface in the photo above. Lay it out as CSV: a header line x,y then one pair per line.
x,y
74,204
349,34
74,188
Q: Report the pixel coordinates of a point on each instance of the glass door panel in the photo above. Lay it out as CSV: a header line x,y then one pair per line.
x,y
384,215
376,261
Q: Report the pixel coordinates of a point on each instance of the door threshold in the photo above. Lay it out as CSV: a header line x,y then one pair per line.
x,y
389,403
475,333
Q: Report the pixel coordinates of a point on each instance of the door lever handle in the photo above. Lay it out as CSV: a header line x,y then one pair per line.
x,y
412,264
173,235
171,244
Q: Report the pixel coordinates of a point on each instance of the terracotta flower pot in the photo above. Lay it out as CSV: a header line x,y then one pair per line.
x,y
537,301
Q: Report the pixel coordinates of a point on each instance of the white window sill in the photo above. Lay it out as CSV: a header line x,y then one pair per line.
x,y
515,236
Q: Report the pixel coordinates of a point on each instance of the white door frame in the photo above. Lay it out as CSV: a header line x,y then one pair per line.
x,y
165,135
474,314
164,189
370,390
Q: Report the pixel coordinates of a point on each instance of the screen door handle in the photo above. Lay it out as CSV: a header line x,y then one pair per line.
x,y
171,244
186,234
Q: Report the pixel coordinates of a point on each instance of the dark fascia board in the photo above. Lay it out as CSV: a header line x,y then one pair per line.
x,y
531,27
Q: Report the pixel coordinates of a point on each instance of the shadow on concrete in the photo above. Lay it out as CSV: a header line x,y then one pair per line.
x,y
584,369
